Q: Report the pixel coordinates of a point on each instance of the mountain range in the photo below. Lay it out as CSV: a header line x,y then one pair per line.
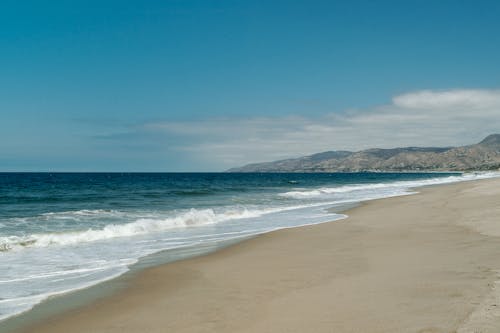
x,y
484,155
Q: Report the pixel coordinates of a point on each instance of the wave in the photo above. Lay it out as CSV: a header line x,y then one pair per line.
x,y
153,222
74,215
314,193
150,223
83,212
141,226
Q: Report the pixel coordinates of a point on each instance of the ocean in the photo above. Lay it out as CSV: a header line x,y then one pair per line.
x,y
60,232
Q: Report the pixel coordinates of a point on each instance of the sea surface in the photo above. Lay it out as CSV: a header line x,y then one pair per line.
x,y
61,232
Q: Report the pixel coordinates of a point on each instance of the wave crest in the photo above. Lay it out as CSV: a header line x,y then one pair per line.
x,y
314,193
142,226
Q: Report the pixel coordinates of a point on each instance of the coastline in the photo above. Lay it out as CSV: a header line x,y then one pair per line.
x,y
414,263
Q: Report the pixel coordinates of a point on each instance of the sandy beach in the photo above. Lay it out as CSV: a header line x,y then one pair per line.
x,y
421,263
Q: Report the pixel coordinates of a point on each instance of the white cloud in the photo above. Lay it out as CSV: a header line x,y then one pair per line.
x,y
427,99
424,118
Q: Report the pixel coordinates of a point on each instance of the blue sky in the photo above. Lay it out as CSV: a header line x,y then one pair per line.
x,y
207,85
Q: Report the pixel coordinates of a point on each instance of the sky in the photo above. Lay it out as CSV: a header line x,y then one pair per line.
x,y
208,85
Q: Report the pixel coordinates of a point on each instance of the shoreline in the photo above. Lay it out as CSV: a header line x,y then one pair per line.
x,y
178,277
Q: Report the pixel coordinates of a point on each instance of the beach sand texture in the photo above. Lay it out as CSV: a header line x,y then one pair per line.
x,y
420,263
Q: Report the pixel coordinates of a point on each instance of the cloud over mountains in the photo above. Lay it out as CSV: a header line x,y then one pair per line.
x,y
421,118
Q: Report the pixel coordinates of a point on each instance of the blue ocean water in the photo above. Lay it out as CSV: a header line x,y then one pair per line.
x,y
65,231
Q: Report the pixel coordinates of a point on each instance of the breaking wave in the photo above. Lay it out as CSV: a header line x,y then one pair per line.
x,y
326,191
142,226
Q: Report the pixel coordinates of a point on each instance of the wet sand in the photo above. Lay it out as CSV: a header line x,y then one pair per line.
x,y
420,263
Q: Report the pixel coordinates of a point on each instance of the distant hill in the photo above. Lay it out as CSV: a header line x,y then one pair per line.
x,y
484,155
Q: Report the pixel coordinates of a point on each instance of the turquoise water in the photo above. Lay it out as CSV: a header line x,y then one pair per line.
x,y
61,232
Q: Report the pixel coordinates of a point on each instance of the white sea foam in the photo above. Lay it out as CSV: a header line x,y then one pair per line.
x,y
192,217
83,212
18,305
141,226
325,191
